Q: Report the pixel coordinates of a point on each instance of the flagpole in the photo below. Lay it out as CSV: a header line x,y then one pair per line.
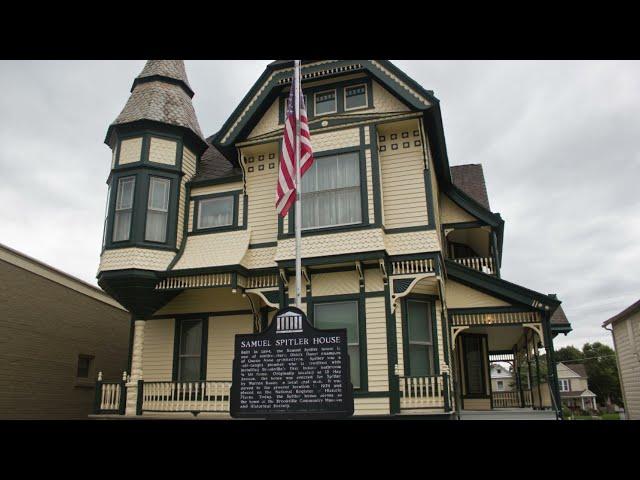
x,y
298,210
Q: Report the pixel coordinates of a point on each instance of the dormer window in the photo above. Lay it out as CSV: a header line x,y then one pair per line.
x,y
355,97
124,208
157,209
325,102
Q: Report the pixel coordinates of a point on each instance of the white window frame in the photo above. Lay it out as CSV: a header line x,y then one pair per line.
x,y
562,383
335,99
221,197
149,208
366,97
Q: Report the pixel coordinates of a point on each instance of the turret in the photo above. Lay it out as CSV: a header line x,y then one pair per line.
x,y
156,142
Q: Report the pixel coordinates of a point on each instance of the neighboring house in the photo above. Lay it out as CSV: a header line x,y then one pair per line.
x,y
574,387
398,247
56,333
502,379
625,328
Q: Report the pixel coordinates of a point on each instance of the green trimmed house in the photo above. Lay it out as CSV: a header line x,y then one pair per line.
x,y
399,247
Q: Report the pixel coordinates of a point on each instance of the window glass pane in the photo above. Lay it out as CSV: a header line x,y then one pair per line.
x,y
338,315
331,192
342,315
191,337
325,102
354,365
420,360
121,226
159,194
124,199
355,97
156,229
189,369
419,322
83,367
215,212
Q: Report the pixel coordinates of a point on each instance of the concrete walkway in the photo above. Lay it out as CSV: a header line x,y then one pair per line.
x,y
508,414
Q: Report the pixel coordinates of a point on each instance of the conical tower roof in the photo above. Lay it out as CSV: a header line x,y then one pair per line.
x,y
161,93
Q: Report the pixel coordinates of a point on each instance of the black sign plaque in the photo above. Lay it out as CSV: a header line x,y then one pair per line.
x,y
291,370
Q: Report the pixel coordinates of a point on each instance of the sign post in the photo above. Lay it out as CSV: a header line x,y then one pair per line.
x,y
291,370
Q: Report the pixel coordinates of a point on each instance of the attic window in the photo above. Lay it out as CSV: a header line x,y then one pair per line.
x,y
355,97
325,102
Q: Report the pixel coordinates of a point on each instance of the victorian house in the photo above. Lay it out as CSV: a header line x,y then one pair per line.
x,y
398,247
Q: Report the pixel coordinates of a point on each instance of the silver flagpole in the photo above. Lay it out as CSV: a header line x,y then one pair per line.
x,y
296,85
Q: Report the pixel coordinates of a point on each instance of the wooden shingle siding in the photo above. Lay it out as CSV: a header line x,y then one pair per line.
x,y
259,258
220,188
142,258
162,151
214,249
626,334
349,137
373,280
261,189
45,326
222,332
370,192
386,102
461,296
377,344
130,150
189,168
157,353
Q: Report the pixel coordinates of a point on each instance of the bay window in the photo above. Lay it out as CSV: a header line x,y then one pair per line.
x,y
124,209
157,209
420,338
342,315
331,192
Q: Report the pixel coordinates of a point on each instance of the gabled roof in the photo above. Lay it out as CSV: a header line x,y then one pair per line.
x,y
161,93
214,166
470,179
627,312
578,368
577,394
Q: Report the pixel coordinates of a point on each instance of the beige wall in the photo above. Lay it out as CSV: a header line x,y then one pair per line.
x,y
626,335
44,327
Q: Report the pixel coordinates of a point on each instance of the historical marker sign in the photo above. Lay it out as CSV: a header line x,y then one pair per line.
x,y
291,370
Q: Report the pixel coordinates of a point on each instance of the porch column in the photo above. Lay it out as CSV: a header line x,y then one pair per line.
x,y
537,359
136,367
552,373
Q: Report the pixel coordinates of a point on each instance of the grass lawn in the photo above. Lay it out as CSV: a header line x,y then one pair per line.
x,y
604,416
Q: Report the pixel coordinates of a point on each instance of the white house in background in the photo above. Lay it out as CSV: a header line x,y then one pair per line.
x,y
574,387
502,379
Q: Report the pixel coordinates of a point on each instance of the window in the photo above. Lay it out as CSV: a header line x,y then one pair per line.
x,y
355,97
106,216
331,192
564,385
190,351
499,371
325,102
342,315
500,385
420,335
157,209
124,207
215,212
84,366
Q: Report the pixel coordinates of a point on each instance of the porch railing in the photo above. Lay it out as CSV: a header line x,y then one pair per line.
x,y
424,392
506,399
482,264
195,397
110,396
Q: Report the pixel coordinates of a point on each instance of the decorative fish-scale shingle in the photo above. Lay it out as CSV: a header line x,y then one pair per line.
x,y
165,68
470,179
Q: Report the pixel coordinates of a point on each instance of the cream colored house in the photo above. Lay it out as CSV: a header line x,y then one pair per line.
x,y
398,247
625,328
574,387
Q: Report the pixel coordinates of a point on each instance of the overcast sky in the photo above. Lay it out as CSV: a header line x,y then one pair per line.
x,y
559,143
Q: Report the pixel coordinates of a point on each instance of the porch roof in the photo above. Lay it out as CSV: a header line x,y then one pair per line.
x,y
578,394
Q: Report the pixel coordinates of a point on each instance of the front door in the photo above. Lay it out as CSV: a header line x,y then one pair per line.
x,y
475,391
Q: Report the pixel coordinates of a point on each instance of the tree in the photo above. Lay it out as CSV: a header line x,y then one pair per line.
x,y
568,353
602,370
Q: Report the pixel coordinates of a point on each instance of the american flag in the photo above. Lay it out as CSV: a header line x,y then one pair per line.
x,y
286,190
